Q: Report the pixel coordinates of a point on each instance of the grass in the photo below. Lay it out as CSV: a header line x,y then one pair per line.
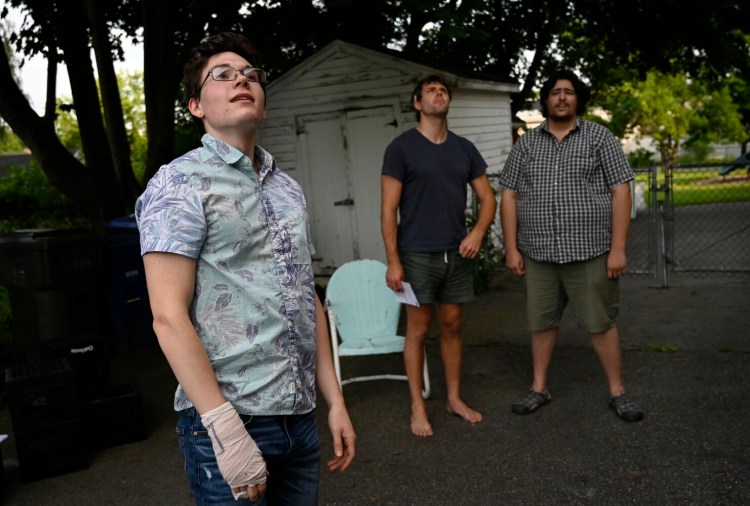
x,y
662,347
694,187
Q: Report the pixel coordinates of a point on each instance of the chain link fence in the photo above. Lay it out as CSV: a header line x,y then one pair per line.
x,y
706,219
688,220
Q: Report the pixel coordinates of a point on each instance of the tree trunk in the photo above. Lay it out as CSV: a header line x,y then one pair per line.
x,y
161,70
64,171
96,150
541,50
113,114
50,103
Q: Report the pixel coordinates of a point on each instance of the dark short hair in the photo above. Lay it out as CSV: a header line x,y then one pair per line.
x,y
583,92
193,74
416,94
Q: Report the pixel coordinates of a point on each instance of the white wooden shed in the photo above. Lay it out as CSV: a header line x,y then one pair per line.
x,y
329,120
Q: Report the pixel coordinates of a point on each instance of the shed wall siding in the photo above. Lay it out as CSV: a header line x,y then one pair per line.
x,y
342,79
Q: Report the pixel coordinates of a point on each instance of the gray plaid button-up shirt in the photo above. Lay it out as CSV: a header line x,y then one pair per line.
x,y
563,191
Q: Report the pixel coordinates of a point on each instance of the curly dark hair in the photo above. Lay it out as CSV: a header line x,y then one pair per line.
x,y
583,92
193,72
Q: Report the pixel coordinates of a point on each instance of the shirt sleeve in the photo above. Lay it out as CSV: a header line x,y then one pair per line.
x,y
616,167
394,163
511,173
170,215
478,165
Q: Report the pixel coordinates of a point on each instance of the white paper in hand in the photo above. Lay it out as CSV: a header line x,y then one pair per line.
x,y
406,295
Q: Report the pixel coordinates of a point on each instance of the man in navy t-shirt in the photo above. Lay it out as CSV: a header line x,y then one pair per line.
x,y
424,181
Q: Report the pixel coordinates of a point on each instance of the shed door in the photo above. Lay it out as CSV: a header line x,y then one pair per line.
x,y
341,155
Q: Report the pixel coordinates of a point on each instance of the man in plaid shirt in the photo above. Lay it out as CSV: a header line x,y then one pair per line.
x,y
565,211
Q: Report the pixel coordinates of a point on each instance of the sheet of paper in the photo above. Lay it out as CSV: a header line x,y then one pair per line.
x,y
3,437
406,295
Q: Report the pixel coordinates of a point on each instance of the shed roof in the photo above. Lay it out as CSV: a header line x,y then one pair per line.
x,y
459,78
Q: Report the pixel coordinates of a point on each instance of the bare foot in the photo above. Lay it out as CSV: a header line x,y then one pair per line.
x,y
458,408
420,425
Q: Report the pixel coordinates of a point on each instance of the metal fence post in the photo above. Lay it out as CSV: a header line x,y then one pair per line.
x,y
653,220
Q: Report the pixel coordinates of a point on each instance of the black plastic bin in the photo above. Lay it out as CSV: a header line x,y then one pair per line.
x,y
46,412
88,355
128,309
53,279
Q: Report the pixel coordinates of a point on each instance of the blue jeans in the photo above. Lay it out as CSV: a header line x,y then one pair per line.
x,y
290,447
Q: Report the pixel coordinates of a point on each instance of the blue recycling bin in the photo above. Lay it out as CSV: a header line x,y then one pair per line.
x,y
129,319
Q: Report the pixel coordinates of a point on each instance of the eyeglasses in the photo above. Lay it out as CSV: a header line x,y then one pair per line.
x,y
227,73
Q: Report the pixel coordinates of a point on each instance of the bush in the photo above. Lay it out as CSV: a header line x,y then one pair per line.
x,y
28,200
640,157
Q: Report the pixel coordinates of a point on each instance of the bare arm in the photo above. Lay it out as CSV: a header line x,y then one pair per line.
x,y
338,418
472,243
390,196
509,223
171,283
621,203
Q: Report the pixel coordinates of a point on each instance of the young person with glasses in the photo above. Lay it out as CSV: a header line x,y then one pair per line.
x,y
226,245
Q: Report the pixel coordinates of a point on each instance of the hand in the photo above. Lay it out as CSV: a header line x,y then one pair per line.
x,y
617,264
470,246
394,276
514,262
240,461
343,439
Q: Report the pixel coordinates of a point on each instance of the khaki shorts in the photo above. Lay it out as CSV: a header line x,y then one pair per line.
x,y
594,299
444,277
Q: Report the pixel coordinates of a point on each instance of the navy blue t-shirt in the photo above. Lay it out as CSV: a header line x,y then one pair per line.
x,y
433,197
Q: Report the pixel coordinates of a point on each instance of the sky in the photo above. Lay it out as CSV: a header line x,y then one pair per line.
x,y
33,74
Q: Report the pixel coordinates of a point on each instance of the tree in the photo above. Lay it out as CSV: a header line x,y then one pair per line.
x,y
93,184
130,85
104,181
497,37
740,90
506,40
9,142
672,110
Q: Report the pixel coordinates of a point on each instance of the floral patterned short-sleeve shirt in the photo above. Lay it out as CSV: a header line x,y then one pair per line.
x,y
254,301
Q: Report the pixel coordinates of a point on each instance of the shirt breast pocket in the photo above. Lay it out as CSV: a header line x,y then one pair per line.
x,y
584,166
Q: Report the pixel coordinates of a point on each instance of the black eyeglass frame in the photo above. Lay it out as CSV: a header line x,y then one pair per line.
x,y
246,73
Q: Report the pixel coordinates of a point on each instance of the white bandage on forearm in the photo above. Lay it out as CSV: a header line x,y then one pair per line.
x,y
239,458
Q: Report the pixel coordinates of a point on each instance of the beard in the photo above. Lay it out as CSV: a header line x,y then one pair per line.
x,y
561,116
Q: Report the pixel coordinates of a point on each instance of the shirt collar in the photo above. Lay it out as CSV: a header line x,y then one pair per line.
x,y
545,125
236,158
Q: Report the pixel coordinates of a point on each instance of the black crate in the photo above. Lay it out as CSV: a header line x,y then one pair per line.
x,y
41,393
113,415
88,356
2,474
51,450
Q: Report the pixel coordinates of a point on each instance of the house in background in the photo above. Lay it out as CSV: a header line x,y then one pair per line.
x,y
14,160
330,118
